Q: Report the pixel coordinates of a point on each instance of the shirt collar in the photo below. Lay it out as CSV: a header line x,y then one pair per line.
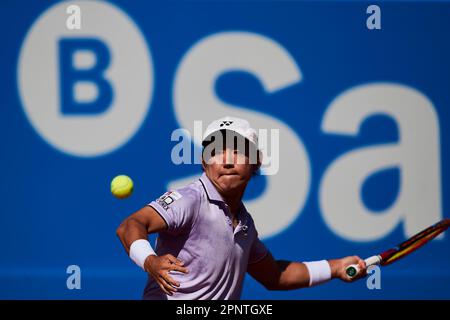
x,y
213,195
211,191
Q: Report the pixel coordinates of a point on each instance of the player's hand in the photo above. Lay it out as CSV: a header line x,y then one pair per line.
x,y
338,268
160,266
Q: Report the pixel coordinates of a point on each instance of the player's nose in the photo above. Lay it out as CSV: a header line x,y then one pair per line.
x,y
228,161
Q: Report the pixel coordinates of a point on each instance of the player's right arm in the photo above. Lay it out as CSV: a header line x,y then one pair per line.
x,y
137,226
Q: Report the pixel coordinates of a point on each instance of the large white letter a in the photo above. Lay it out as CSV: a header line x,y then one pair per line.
x,y
416,155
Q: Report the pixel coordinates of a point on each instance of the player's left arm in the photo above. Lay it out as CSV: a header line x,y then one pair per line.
x,y
288,275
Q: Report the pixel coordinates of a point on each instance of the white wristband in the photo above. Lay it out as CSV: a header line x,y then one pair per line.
x,y
140,250
319,272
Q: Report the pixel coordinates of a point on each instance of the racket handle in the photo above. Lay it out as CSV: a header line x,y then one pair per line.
x,y
353,270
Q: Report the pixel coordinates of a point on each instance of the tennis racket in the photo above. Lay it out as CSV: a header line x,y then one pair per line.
x,y
403,249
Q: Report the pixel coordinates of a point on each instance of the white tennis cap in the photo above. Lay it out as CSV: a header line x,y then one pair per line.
x,y
240,126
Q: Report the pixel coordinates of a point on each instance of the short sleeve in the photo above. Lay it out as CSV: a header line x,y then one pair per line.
x,y
258,251
178,209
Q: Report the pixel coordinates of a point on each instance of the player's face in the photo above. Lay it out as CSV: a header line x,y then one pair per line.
x,y
230,169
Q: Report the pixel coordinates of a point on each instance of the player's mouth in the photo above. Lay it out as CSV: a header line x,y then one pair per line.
x,y
229,174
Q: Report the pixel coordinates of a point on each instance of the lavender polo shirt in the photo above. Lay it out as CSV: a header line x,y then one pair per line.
x,y
200,233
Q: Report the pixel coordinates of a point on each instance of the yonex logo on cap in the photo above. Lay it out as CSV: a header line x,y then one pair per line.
x,y
226,123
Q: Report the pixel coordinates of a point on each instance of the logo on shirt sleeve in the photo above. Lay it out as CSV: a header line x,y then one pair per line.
x,y
168,198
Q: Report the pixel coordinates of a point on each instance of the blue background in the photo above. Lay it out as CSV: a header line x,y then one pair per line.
x,y
57,210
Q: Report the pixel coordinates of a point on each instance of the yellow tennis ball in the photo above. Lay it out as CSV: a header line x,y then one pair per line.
x,y
121,186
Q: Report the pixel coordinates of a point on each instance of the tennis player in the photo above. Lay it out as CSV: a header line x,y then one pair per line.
x,y
207,240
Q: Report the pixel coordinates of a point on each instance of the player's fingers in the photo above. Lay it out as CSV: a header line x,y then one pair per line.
x,y
362,267
179,262
170,257
164,289
161,285
174,260
159,281
169,288
354,260
361,264
178,268
167,266
358,261
170,282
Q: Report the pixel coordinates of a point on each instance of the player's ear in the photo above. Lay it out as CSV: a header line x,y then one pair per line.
x,y
203,158
258,164
203,164
259,160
